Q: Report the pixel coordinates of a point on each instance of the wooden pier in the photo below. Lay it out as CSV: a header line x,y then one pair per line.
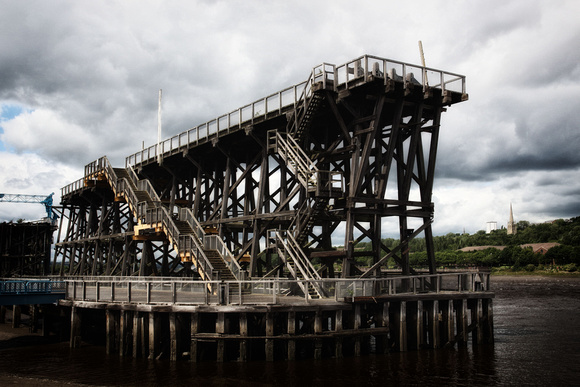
x,y
169,318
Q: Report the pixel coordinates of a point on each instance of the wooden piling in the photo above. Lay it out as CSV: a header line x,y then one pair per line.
x,y
291,350
194,329
318,331
435,336
462,322
220,329
243,334
402,326
152,335
110,330
173,336
75,328
16,316
357,325
269,346
137,327
246,333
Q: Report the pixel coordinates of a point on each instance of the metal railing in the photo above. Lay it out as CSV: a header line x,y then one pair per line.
x,y
180,291
31,286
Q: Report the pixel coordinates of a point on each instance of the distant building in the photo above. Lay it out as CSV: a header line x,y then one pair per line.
x,y
511,226
491,226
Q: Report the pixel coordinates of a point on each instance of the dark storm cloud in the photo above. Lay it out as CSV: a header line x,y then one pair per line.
x,y
87,76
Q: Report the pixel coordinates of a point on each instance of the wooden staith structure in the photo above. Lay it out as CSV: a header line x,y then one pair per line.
x,y
263,190
25,248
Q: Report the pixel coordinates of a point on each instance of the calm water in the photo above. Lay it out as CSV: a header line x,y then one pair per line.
x,y
537,342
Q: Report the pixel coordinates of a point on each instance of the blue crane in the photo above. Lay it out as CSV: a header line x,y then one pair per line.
x,y
20,198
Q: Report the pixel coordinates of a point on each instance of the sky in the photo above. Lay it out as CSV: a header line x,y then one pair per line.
x,y
80,80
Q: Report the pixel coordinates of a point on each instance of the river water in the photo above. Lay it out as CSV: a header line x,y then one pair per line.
x,y
537,343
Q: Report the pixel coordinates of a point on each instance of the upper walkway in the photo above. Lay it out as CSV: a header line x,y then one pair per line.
x,y
327,76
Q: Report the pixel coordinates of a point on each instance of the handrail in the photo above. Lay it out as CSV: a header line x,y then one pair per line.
x,y
298,255
186,215
214,242
300,260
29,286
211,242
186,291
304,168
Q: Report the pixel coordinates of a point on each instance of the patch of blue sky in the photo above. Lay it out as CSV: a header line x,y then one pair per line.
x,y
7,112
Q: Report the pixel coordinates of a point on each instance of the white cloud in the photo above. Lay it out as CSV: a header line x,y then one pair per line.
x,y
31,175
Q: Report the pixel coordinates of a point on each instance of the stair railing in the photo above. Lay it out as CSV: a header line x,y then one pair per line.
x,y
214,242
304,168
211,242
288,247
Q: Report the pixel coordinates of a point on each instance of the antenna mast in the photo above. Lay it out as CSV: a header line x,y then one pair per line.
x,y
159,129
423,63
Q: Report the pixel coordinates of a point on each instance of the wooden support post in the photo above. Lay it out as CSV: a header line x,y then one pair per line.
x,y
136,334
385,322
2,314
193,343
269,332
477,319
220,329
110,332
16,316
462,322
357,326
46,324
338,340
488,311
318,330
449,322
435,334
153,324
126,325
34,311
75,327
173,336
243,334
291,332
419,327
144,323
402,331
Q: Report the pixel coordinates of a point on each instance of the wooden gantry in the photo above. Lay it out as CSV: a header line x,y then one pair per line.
x,y
236,224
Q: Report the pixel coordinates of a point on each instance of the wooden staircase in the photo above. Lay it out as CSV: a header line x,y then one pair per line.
x,y
302,118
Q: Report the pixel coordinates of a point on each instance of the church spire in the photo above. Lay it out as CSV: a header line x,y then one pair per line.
x,y
511,226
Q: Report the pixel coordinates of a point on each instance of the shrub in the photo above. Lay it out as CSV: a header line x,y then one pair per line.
x,y
530,267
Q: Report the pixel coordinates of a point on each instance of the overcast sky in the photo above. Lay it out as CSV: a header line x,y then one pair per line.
x,y
80,79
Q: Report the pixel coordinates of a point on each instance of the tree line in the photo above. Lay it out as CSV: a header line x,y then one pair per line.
x,y
566,232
